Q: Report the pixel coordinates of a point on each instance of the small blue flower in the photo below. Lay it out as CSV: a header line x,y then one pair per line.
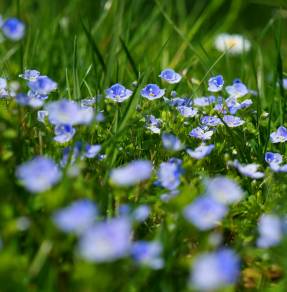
x,y
270,231
215,270
153,124
210,121
169,174
232,121
201,151
187,111
202,101
106,241
216,83
118,93
88,101
132,173
77,217
148,254
41,116
201,134
13,29
141,213
92,150
31,99
42,85
38,174
273,158
246,103
3,88
171,142
170,76
152,91
180,101
237,89
205,212
250,170
279,136
30,75
64,133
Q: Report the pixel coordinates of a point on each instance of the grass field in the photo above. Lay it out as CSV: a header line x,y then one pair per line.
x,y
116,175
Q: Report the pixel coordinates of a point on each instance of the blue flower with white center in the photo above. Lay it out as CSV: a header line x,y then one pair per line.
x,y
77,217
250,170
171,142
201,134
201,151
187,111
170,76
31,99
30,75
215,270
270,230
232,121
237,89
106,241
210,121
13,29
224,190
118,93
275,162
41,116
169,174
205,212
92,150
132,173
152,91
64,133
233,105
38,174
42,85
279,136
148,254
216,83
153,124
141,213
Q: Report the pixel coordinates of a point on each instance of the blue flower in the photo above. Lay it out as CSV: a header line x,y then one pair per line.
x,y
216,83
205,212
64,133
141,213
77,217
148,254
232,121
279,136
246,103
214,270
152,91
201,151
30,75
171,142
187,111
180,101
169,174
132,173
106,241
153,124
237,89
42,85
92,150
270,231
170,76
275,162
250,170
31,99
201,134
38,174
3,88
202,101
210,121
224,190
13,29
118,93
41,116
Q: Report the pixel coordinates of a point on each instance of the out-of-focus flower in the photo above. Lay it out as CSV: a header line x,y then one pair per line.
x,y
270,230
64,133
3,88
148,254
13,29
224,190
170,76
250,170
77,217
141,213
201,151
234,44
237,89
205,212
42,85
212,271
232,121
38,174
153,124
201,134
41,116
171,142
152,91
118,93
106,241
31,99
169,174
279,136
210,121
216,83
92,150
30,75
132,173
